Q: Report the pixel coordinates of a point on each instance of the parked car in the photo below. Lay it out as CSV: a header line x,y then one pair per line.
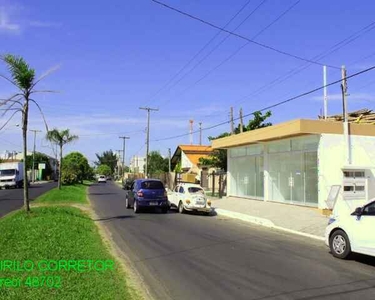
x,y
102,178
189,197
147,193
127,184
352,232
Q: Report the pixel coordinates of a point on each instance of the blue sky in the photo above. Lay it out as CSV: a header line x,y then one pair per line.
x,y
114,58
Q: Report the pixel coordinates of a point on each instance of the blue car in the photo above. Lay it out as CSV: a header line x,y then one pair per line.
x,y
147,193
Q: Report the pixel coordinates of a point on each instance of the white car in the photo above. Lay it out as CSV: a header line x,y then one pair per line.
x,y
189,197
102,178
352,232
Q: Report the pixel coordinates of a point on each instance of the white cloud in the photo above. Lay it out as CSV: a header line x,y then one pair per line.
x,y
45,24
360,97
6,24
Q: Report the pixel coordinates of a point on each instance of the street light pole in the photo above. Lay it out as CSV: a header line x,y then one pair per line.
x,y
169,161
124,138
33,167
148,135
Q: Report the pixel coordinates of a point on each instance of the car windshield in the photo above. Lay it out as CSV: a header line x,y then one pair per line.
x,y
9,172
193,190
152,185
102,176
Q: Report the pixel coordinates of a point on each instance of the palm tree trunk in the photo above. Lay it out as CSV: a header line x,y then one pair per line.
x,y
24,136
60,165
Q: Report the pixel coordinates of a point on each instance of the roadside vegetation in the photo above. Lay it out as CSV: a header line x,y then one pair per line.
x,y
60,138
218,158
75,193
58,233
23,78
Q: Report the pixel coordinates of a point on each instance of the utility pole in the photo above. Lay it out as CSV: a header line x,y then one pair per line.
x,y
169,160
33,168
118,165
344,89
241,120
124,138
148,135
200,133
325,107
191,131
231,121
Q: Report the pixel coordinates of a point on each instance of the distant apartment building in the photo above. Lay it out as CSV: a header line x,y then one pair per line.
x,y
137,164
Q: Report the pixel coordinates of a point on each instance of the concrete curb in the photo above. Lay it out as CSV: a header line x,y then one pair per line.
x,y
263,222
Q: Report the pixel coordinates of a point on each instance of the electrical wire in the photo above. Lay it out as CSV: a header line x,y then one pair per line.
x,y
213,49
243,37
234,53
273,105
198,53
282,78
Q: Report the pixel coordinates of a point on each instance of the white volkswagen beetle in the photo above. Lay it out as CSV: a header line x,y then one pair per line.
x,y
189,197
352,232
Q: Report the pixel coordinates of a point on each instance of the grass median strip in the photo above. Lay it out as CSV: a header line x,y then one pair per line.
x,y
68,194
61,247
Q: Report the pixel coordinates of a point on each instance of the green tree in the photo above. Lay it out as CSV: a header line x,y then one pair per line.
x,y
22,76
75,168
108,158
39,158
61,138
218,158
104,170
156,163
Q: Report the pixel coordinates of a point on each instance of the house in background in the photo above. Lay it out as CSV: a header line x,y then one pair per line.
x,y
188,156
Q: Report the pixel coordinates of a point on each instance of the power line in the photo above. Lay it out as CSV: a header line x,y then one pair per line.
x,y
243,37
235,52
302,67
216,47
273,105
199,52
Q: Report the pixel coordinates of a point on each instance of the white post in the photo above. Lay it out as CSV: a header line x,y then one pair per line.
x,y
344,88
325,91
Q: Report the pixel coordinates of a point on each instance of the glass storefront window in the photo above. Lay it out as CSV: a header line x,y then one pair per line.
x,y
279,146
254,149
294,177
247,176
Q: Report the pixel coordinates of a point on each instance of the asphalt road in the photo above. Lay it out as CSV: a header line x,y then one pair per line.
x,y
198,257
12,199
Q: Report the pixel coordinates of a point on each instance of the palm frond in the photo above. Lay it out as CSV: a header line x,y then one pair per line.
x,y
41,112
23,76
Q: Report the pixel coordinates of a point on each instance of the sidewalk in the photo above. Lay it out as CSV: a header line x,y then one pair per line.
x,y
300,220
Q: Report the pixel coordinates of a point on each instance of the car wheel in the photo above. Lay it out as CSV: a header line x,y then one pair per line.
x,y
135,207
181,208
339,244
127,202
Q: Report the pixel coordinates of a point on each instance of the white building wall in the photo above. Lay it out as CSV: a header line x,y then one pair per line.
x,y
332,158
137,164
185,162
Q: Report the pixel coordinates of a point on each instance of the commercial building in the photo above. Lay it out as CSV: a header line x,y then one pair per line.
x,y
302,162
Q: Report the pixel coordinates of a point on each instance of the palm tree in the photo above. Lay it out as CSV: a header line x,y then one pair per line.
x,y
22,76
61,138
